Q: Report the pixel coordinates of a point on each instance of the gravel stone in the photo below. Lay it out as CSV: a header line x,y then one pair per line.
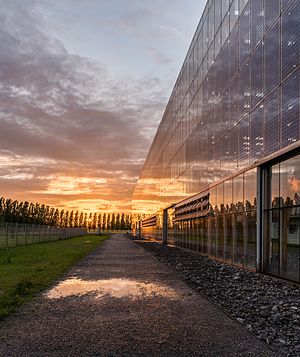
x,y
267,306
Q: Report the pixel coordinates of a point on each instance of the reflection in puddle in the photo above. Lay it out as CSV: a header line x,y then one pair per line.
x,y
113,287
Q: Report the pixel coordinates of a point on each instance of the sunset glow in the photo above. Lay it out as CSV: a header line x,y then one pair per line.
x,y
83,88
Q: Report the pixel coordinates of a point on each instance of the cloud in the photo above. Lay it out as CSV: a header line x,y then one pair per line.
x,y
66,127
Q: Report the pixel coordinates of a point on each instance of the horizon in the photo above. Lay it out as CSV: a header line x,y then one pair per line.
x,y
77,121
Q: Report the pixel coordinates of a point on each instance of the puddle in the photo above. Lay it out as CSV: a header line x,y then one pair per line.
x,y
114,287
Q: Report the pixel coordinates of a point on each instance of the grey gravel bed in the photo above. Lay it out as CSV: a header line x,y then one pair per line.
x,y
268,307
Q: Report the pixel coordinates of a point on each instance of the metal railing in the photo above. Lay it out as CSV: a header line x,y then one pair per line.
x,y
16,234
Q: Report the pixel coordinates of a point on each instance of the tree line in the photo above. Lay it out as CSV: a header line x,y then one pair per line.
x,y
13,211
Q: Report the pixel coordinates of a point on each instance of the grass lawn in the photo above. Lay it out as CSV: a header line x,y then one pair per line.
x,y
28,270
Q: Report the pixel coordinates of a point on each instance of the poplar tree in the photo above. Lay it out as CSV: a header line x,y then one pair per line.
x,y
113,222
104,222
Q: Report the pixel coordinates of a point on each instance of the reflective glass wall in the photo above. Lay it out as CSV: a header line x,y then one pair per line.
x,y
235,102
282,219
227,232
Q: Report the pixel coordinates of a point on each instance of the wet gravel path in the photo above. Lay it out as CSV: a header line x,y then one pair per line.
x,y
266,306
120,301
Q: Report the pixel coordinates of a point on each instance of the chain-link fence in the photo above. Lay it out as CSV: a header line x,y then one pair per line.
x,y
15,234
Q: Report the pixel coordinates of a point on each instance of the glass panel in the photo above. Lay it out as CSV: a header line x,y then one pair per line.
x,y
225,28
272,9
256,134
220,237
272,244
271,126
233,52
238,193
212,236
290,39
250,240
200,232
245,34
272,59
205,236
228,239
290,110
238,239
257,21
218,13
250,190
234,13
290,181
225,7
275,194
244,90
220,199
244,142
228,196
233,149
289,246
257,76
225,111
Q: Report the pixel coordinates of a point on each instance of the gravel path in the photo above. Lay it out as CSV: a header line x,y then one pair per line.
x,y
266,306
120,301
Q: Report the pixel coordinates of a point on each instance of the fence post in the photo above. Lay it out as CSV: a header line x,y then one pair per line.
x,y
17,234
25,229
6,235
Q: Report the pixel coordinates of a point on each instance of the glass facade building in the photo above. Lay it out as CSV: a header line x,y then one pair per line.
x,y
222,176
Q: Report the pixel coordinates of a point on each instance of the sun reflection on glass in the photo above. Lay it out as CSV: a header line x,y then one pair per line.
x,y
113,287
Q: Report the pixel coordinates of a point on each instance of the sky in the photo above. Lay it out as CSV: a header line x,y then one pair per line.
x,y
83,87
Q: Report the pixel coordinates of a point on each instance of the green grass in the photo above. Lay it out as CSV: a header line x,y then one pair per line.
x,y
27,270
